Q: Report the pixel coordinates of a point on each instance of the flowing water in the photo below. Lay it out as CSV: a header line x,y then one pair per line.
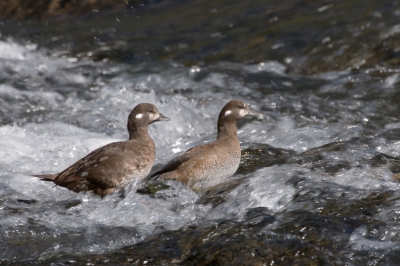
x,y
319,178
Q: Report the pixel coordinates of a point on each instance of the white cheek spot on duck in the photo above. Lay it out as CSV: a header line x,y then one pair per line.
x,y
243,112
228,112
154,116
139,116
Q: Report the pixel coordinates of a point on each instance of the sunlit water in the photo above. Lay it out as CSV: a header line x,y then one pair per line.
x,y
340,200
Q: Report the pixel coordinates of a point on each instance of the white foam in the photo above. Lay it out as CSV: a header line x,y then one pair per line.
x,y
37,148
367,178
285,134
13,51
269,66
267,187
358,241
388,32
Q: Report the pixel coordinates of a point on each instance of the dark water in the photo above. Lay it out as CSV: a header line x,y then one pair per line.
x,y
319,178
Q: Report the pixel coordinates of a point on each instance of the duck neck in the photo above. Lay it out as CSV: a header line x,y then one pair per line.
x,y
226,129
136,132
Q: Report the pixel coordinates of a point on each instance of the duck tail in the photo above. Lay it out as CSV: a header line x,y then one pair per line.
x,y
47,177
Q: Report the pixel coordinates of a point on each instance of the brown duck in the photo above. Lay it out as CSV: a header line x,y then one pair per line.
x,y
115,165
212,163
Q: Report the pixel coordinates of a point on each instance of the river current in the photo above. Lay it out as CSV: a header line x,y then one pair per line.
x,y
318,182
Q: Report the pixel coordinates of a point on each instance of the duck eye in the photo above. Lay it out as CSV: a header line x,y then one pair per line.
x,y
241,107
151,111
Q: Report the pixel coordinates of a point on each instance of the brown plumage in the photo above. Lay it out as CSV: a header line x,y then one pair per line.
x,y
115,165
210,164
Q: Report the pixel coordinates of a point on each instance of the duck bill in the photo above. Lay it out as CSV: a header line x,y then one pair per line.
x,y
254,113
163,118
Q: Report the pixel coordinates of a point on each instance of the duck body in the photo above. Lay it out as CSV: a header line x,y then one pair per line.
x,y
209,164
205,165
115,165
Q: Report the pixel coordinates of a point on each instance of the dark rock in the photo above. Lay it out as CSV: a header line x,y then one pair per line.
x,y
45,9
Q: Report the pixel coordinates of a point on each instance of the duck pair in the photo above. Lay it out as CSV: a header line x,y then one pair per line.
x,y
116,165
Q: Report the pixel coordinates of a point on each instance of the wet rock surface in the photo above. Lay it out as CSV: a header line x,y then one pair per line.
x,y
56,9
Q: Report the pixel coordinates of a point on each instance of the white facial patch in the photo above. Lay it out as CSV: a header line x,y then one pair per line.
x,y
154,116
243,112
228,112
139,116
